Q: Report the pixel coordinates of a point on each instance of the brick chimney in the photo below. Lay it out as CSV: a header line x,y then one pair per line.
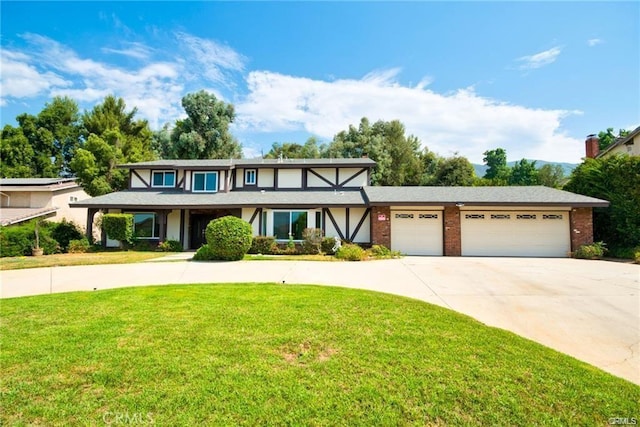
x,y
592,147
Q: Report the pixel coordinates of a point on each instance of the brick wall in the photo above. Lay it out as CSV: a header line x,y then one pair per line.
x,y
581,227
452,241
381,230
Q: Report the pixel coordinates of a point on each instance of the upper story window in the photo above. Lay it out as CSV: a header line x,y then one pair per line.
x,y
250,177
205,182
164,179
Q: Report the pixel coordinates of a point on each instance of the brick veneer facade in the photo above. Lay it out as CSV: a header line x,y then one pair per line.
x,y
452,239
581,227
381,230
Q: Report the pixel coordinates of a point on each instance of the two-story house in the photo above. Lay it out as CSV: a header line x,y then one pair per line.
x,y
176,199
22,199
629,144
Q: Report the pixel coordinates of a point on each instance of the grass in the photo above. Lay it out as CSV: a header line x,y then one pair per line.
x,y
260,257
264,354
89,258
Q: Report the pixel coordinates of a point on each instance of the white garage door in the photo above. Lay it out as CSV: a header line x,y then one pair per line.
x,y
498,233
416,232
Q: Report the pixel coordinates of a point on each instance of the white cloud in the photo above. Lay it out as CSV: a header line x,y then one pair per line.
x,y
211,59
593,42
155,88
539,59
132,49
20,79
461,122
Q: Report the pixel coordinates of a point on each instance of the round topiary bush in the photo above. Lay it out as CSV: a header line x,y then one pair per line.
x,y
229,238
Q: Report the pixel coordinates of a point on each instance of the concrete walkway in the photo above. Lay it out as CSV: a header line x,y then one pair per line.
x,y
587,309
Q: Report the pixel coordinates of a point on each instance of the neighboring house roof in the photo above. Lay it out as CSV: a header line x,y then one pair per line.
x,y
478,196
245,163
143,199
9,216
37,184
620,141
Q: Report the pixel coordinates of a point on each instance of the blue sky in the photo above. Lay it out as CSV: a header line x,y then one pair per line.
x,y
531,77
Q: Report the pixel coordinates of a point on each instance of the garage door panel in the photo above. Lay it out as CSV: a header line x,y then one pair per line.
x,y
535,233
416,232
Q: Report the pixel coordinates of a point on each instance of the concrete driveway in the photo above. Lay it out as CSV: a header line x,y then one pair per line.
x,y
587,309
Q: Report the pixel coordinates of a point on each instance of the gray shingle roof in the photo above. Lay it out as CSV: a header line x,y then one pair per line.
x,y
232,163
531,195
179,199
34,181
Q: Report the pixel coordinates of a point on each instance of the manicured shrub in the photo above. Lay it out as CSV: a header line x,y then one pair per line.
x,y
351,252
144,245
64,231
203,254
79,246
229,238
170,246
18,240
312,240
119,227
265,245
593,251
636,256
327,245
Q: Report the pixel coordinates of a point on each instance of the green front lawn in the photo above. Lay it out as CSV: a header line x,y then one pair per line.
x,y
265,354
89,258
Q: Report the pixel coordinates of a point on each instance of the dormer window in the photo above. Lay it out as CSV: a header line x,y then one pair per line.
x,y
164,179
205,182
250,177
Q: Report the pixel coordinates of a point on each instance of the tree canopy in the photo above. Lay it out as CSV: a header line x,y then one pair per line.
x,y
41,145
113,136
204,134
616,179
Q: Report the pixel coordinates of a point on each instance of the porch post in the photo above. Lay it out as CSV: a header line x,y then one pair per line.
x,y
162,221
91,213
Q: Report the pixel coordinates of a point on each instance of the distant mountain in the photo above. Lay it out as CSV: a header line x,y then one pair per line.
x,y
566,167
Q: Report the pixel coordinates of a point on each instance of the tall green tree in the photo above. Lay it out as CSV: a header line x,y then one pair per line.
x,y
52,136
616,179
397,156
550,175
112,136
497,169
16,153
524,172
292,150
608,137
204,134
455,171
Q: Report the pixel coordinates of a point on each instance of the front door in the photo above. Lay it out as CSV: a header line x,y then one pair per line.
x,y
198,223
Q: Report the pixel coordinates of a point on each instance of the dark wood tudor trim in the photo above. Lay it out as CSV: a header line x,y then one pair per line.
x,y
337,178
260,223
253,217
332,185
275,179
181,183
324,223
333,221
304,178
357,230
352,177
134,172
182,214
347,214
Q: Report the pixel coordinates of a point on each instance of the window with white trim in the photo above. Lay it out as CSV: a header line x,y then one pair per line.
x,y
250,177
289,223
145,225
205,182
163,179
